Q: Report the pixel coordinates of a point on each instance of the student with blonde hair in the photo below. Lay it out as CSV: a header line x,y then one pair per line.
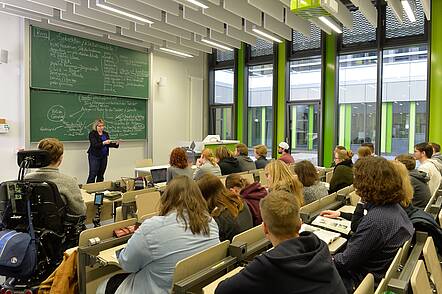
x,y
280,177
343,171
183,227
229,210
67,185
206,164
260,152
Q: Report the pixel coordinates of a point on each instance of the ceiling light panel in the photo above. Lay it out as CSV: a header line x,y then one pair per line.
x,y
116,12
182,48
145,29
142,37
266,35
331,24
224,16
196,46
277,27
368,10
185,24
57,4
216,2
203,20
170,29
198,3
214,44
83,10
21,13
175,52
243,9
273,8
138,8
75,27
167,6
321,25
339,11
30,6
297,23
396,7
68,15
74,1
130,41
408,11
426,6
241,35
222,38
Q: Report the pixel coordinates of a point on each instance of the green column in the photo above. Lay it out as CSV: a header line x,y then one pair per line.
x,y
435,107
311,117
384,127
341,125
280,115
388,127
294,127
412,127
249,126
263,125
347,126
329,99
240,103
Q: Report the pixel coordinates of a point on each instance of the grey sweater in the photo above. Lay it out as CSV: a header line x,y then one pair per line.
x,y
315,192
205,168
67,186
173,171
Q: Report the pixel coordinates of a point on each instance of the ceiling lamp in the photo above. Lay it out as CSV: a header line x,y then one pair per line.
x,y
175,52
408,10
102,4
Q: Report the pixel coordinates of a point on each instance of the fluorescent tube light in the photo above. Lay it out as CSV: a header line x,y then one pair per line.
x,y
215,44
122,12
408,10
331,24
267,36
171,51
197,3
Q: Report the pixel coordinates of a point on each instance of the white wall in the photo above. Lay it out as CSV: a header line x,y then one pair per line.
x,y
11,94
170,111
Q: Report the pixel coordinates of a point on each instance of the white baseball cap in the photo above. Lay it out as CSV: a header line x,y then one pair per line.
x,y
284,145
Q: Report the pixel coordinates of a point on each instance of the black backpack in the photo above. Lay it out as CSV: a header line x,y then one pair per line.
x,y
424,222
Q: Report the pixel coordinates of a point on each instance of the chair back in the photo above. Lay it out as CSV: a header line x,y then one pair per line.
x,y
366,286
263,178
250,236
432,263
199,261
354,198
146,216
328,176
249,178
148,203
419,279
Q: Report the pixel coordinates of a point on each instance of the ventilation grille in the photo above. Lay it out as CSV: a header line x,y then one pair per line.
x,y
262,48
301,42
395,29
362,31
224,55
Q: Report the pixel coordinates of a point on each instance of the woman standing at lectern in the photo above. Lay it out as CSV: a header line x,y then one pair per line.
x,y
99,151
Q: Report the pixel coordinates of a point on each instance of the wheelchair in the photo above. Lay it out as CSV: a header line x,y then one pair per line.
x,y
55,230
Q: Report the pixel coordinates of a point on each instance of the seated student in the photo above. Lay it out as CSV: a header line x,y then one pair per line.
x,y
343,171
227,163
436,152
369,145
298,263
206,164
67,186
179,164
242,154
251,193
308,175
284,149
260,152
364,151
183,228
229,210
280,177
419,181
423,153
382,230
337,148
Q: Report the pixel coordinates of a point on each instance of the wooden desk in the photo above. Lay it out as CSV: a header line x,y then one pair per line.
x,y
336,245
109,255
209,289
107,209
347,209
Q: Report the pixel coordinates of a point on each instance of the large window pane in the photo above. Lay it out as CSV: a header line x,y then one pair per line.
x,y
404,99
305,79
357,99
260,118
222,118
224,86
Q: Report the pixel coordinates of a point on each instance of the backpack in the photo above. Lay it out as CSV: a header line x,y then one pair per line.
x,y
18,250
423,221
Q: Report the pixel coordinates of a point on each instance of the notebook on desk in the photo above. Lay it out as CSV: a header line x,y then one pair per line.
x,y
335,224
159,177
326,236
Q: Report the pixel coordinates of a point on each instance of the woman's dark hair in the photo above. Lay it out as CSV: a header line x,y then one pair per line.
x,y
218,197
377,182
222,152
183,196
235,180
307,173
178,158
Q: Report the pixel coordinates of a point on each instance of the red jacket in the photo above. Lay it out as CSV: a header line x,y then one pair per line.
x,y
252,194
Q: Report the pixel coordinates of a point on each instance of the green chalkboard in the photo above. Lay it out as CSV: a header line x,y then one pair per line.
x,y
69,116
69,63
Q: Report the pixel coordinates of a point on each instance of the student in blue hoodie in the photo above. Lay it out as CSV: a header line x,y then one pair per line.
x,y
298,263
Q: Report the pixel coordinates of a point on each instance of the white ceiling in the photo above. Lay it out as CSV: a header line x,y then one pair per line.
x,y
177,24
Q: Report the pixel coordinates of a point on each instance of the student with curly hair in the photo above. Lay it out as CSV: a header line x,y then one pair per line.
x,y
179,165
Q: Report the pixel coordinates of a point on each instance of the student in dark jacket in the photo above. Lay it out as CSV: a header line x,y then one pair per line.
x,y
242,154
298,263
229,211
98,151
419,181
251,193
260,152
382,230
343,171
227,163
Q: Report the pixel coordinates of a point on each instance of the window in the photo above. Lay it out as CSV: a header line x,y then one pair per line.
x,y
357,99
404,99
305,94
222,103
260,115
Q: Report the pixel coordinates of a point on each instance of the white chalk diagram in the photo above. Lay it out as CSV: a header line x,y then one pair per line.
x,y
123,118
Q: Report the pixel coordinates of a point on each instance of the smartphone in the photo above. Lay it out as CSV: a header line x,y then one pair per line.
x,y
98,199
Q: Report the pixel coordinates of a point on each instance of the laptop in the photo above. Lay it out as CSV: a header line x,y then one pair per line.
x,y
159,176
